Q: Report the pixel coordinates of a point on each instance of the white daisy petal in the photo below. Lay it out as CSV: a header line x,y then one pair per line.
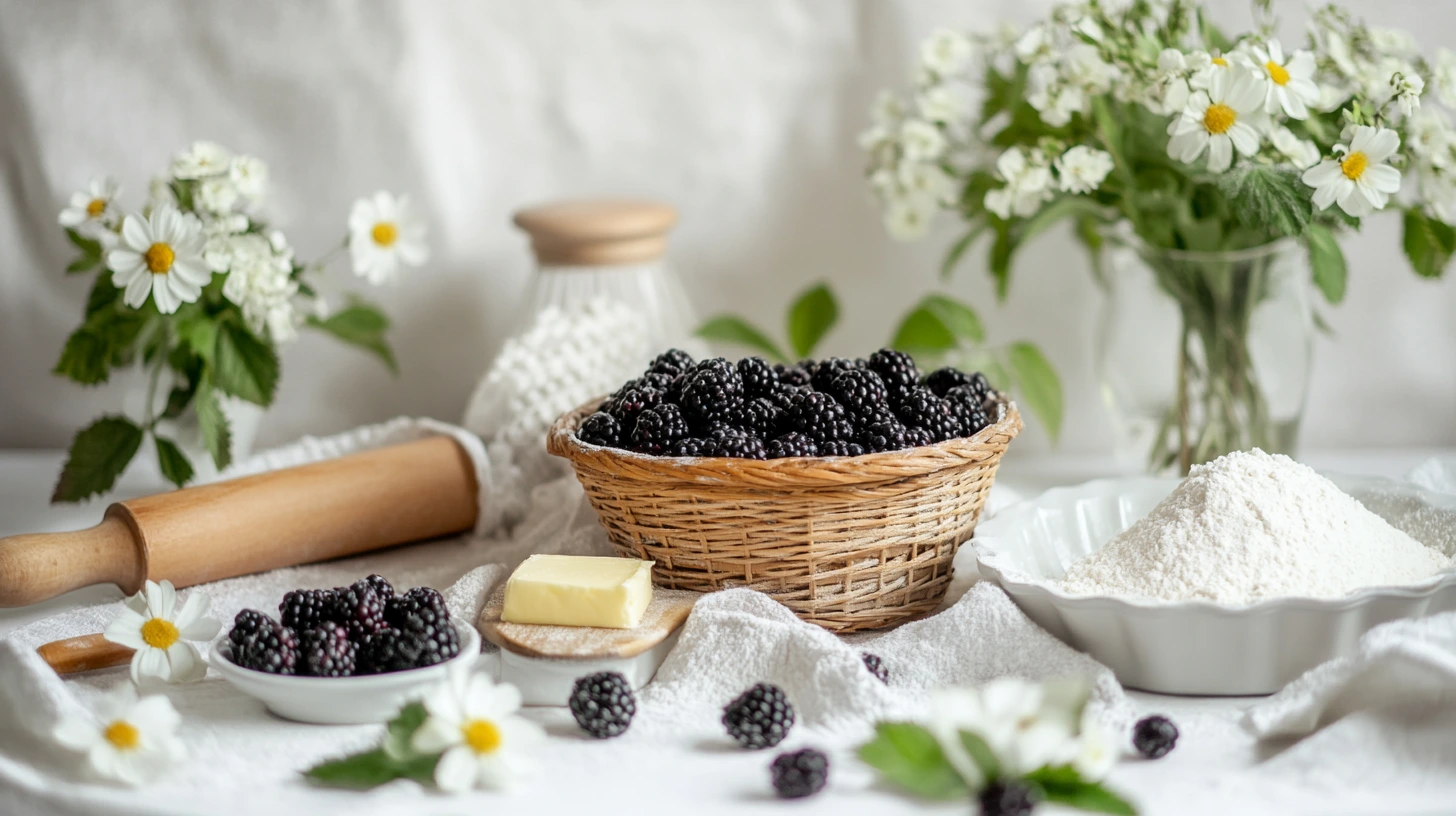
x,y
126,630
1381,145
76,732
436,735
185,663
1245,138
149,662
1382,177
167,303
456,772
138,288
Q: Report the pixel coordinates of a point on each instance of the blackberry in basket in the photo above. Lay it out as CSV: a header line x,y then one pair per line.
x,y
759,416
886,435
790,444
896,368
600,429
824,371
630,401
796,376
841,447
694,446
759,378
942,380
658,428
736,444
860,391
712,389
821,418
673,363
919,407
965,403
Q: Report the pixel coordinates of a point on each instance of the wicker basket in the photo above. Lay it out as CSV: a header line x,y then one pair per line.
x,y
848,543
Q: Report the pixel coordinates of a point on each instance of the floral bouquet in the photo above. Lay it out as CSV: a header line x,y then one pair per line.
x,y
197,286
1143,123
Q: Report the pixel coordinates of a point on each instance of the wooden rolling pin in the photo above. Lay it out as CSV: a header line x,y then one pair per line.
x,y
337,507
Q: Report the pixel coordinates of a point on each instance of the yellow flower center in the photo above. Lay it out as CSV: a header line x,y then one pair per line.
x,y
1277,72
482,736
123,735
96,207
159,258
1353,165
160,634
1219,118
384,233
1220,61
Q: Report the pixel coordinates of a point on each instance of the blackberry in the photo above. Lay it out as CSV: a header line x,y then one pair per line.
x,y
601,429
824,371
1154,736
965,403
426,634
759,379
801,773
713,389
786,396
248,622
327,651
887,435
694,446
630,401
760,718
918,437
919,407
860,391
982,385
657,428
841,447
736,444
603,704
271,648
942,380
673,362
304,609
360,608
896,368
1006,797
876,667
794,375
387,651
758,415
382,587
662,382
880,415
820,417
790,444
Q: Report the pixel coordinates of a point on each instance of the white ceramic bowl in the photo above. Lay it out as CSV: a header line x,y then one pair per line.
x,y
1198,647
373,698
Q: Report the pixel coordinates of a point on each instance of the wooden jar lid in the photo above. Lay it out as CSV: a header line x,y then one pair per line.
x,y
597,232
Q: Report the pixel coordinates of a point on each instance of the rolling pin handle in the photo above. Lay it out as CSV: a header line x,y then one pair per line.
x,y
35,567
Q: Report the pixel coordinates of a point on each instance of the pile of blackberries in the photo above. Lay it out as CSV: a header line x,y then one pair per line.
x,y
754,410
359,629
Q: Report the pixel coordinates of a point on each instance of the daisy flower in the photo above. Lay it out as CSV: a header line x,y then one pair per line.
x,y
92,209
1082,169
163,634
160,255
1218,120
384,233
200,160
126,739
485,743
1290,84
1359,181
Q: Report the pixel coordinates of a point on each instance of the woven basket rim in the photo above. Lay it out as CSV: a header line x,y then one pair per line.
x,y
867,469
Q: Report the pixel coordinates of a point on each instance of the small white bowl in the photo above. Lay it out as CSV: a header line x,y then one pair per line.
x,y
370,698
1199,647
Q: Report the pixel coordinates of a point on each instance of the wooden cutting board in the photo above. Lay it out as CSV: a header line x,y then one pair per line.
x,y
668,610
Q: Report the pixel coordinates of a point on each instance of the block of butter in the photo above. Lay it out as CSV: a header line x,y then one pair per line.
x,y
579,590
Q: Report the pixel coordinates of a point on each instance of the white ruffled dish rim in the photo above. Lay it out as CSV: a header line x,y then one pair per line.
x,y
1198,647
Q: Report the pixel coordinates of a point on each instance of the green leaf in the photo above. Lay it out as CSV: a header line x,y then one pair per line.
x,y
200,334
958,249
981,754
217,437
177,401
1064,786
1268,198
175,467
739,332
90,247
1068,206
813,314
246,367
371,769
1091,237
1327,262
363,326
909,756
85,358
960,319
1428,243
937,324
85,263
103,294
1000,262
98,456
1039,385
402,729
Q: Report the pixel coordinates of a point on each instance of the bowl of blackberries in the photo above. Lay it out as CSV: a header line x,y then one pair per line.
x,y
752,409
346,655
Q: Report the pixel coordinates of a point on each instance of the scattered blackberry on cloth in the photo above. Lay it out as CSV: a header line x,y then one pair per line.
x,y
791,444
759,378
876,667
271,647
304,609
327,651
821,418
248,622
673,363
601,429
657,428
801,773
896,368
1006,798
860,391
360,608
1154,736
942,380
760,717
603,704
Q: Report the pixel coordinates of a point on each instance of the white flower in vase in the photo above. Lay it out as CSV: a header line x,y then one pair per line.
x,y
1028,184
126,739
249,176
1430,136
163,635
1444,77
1407,89
1203,67
921,140
92,210
1220,120
201,160
908,216
1302,153
945,52
1082,169
1289,84
942,104
216,194
926,179
384,234
474,722
261,283
1359,181
161,256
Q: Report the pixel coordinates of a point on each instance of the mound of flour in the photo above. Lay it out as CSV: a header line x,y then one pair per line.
x,y
1249,526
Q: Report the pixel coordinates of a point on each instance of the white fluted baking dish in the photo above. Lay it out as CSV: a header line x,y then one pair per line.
x,y
1199,647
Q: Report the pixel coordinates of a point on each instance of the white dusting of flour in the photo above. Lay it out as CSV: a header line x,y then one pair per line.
x,y
1249,526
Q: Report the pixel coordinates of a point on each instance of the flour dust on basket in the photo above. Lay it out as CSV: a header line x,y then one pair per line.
x,y
1250,526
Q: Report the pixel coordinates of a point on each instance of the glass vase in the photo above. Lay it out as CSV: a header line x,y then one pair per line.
x,y
1203,353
